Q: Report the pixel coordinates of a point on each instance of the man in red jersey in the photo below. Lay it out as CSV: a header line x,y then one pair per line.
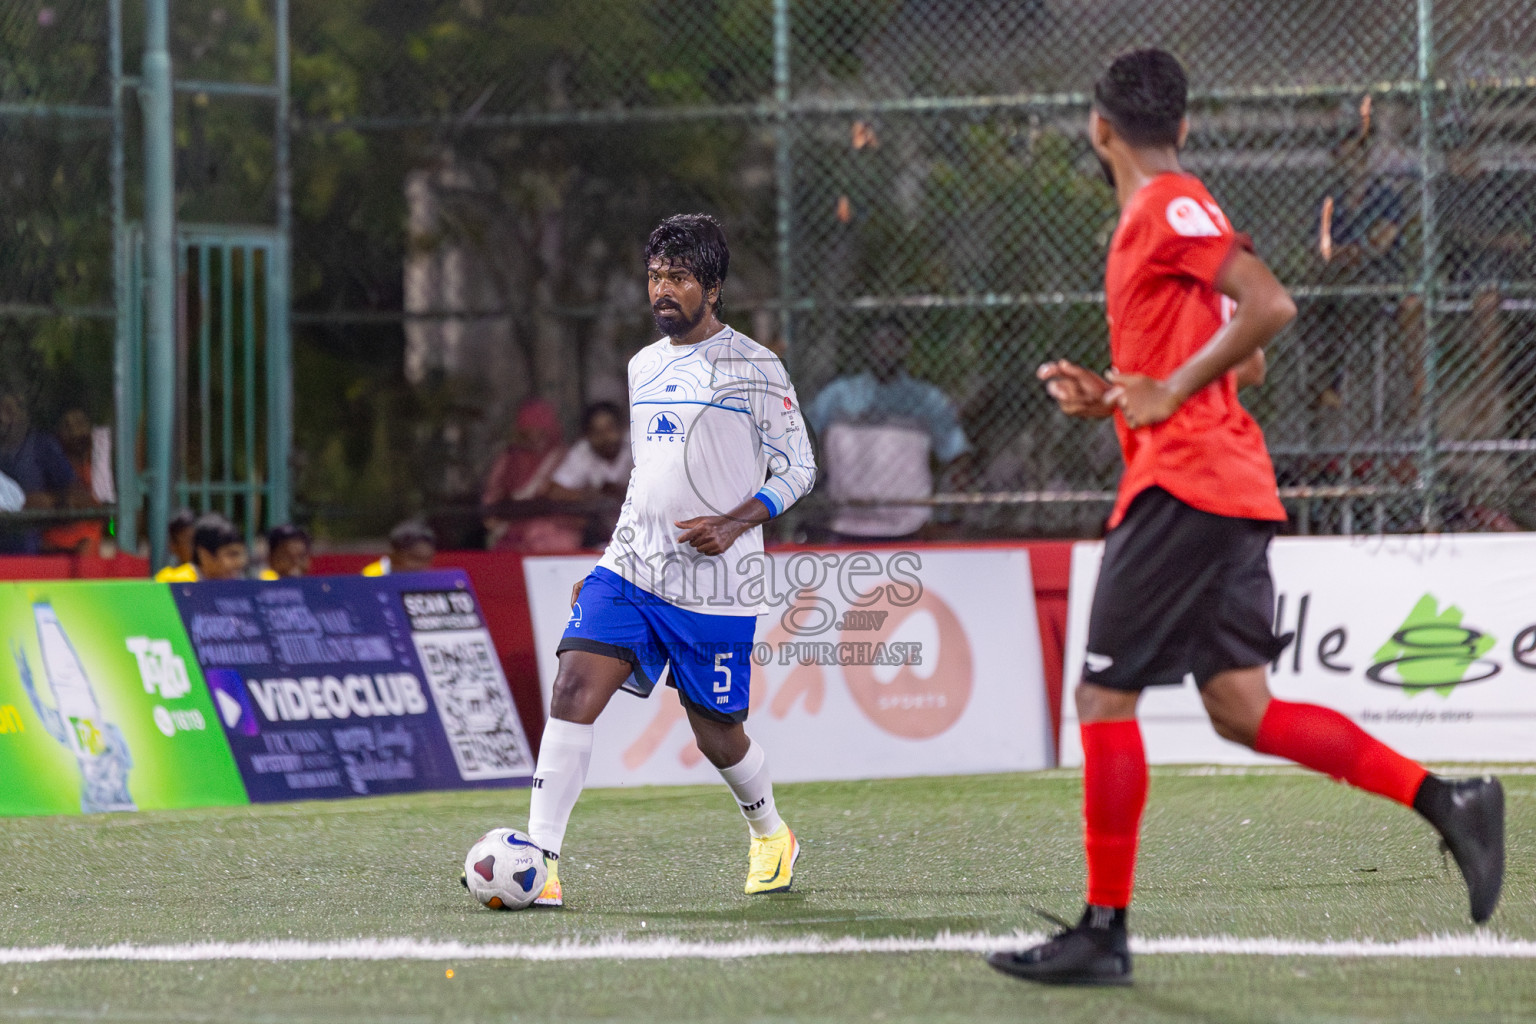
x,y
1184,587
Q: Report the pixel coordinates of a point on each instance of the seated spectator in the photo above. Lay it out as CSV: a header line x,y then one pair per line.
x,y
179,536
881,432
600,463
78,439
1488,244
287,553
597,468
525,472
218,553
181,568
12,497
412,547
35,460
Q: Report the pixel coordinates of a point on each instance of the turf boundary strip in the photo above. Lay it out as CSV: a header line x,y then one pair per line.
x,y
1476,946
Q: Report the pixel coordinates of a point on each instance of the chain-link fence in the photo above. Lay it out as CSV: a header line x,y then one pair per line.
x,y
72,273
909,194
56,167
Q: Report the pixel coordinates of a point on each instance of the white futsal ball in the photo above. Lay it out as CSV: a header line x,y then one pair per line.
x,y
505,870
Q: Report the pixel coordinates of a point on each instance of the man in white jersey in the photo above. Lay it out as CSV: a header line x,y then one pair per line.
x,y
719,450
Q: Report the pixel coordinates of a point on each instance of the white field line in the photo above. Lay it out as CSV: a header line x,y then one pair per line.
x,y
1480,946
1190,771
1202,770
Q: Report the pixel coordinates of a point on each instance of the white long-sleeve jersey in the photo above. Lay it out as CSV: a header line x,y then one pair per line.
x,y
710,425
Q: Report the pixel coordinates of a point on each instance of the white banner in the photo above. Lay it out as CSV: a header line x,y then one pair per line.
x,y
966,692
1427,642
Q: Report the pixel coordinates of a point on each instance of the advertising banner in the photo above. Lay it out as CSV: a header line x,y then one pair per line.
x,y
347,686
1427,642
868,664
102,704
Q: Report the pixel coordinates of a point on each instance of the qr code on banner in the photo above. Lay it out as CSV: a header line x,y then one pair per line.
x,y
474,704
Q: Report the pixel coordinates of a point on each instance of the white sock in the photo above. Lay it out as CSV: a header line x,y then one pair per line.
x,y
564,755
753,788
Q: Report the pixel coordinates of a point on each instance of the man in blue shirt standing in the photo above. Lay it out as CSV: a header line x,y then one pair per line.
x,y
881,432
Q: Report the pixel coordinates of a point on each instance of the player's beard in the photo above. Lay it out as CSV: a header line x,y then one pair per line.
x,y
678,323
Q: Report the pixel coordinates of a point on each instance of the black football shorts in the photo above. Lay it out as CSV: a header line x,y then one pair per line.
x,y
1180,591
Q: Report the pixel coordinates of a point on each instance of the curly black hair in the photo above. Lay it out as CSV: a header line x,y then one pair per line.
x,y
696,243
212,531
1144,94
284,533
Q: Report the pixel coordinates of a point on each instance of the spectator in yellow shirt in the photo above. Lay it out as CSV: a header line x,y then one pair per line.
x,y
179,537
287,553
218,553
179,534
412,547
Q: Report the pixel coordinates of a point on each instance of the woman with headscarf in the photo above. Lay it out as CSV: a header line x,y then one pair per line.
x,y
522,472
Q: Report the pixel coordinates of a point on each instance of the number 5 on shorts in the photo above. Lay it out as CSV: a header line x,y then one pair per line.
x,y
723,685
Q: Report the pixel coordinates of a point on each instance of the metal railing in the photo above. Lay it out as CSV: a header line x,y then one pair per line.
x,y
89,274
926,161
474,180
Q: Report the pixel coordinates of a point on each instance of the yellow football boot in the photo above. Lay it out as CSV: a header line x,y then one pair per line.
x,y
551,897
773,862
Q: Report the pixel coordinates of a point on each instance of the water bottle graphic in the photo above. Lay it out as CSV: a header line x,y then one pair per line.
x,y
76,719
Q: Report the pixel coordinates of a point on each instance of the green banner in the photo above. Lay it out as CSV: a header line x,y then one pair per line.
x,y
102,704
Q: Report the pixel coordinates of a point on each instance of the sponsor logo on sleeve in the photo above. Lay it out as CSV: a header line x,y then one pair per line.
x,y
1190,219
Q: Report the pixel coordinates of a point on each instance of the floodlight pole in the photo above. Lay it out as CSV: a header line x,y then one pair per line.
x,y
1429,292
784,171
279,288
125,343
160,270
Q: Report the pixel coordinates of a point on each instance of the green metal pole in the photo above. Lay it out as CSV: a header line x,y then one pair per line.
x,y
1428,291
279,333
248,383
204,381
227,384
160,268
124,383
784,171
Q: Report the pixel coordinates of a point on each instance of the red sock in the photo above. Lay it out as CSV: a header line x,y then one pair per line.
x,y
1114,792
1326,741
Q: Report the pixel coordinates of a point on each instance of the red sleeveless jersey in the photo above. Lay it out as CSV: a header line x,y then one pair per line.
x,y
1160,289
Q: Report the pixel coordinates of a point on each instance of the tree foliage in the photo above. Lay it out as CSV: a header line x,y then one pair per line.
x,y
552,215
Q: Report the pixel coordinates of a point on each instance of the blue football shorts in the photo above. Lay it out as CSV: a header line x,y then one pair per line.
x,y
708,658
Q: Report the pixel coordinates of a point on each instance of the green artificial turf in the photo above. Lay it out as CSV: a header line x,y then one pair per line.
x,y
1285,855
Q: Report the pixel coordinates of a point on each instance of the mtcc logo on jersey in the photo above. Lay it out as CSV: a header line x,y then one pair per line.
x,y
665,426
